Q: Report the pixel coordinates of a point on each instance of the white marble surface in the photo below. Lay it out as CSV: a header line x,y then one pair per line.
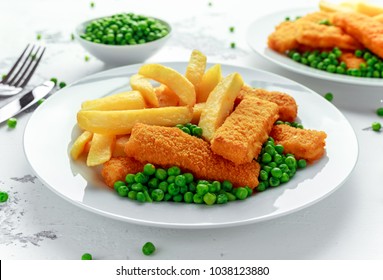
x,y
37,224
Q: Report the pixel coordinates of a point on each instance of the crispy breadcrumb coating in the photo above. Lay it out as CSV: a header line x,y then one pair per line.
x,y
303,143
117,168
168,146
287,107
365,29
240,138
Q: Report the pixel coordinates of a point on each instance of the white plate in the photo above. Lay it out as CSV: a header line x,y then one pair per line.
x,y
259,31
52,128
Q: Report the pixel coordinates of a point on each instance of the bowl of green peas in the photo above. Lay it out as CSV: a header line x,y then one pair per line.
x,y
124,38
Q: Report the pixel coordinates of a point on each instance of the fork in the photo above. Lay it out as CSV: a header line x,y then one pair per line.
x,y
22,71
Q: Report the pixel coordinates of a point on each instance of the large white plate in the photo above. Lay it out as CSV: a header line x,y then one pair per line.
x,y
260,29
52,128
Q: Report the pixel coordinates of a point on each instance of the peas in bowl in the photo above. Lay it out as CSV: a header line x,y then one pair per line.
x,y
124,38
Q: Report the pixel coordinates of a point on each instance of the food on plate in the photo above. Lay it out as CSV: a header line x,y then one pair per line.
x,y
166,97
208,152
167,146
341,38
116,169
119,30
219,104
101,149
303,143
209,81
196,68
178,83
79,144
240,138
365,29
121,101
287,107
119,147
143,86
122,121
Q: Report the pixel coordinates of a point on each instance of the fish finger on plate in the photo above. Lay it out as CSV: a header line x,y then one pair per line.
x,y
303,143
284,37
287,107
240,138
365,29
168,146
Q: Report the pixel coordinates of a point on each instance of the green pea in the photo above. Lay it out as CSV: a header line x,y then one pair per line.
x,y
122,190
284,167
153,183
276,172
117,184
302,163
274,182
132,195
358,53
266,158
148,248
137,187
376,126
197,131
188,197
12,122
141,178
202,189
171,179
168,197
329,96
270,149
222,198
186,130
263,175
188,177
183,189
296,57
291,162
285,177
192,187
148,198
272,165
241,193
209,198
149,169
279,149
157,195
180,180
163,186
215,187
379,112
86,257
178,197
197,199
140,197
278,159
173,189
249,191
261,187
3,197
174,171
231,197
227,185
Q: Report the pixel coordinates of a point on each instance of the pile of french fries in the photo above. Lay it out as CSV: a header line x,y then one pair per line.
x,y
363,7
199,96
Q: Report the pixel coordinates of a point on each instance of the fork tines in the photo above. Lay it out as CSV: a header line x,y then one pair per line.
x,y
22,71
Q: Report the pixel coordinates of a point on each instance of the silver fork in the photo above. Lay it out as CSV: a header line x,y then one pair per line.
x,y
22,71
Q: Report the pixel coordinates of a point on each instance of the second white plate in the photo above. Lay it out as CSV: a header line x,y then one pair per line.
x,y
52,128
259,31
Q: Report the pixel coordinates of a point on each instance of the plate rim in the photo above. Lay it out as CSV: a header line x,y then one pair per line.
x,y
178,225
298,67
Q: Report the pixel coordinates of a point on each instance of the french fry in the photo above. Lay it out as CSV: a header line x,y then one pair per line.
x,y
79,144
122,122
178,83
326,6
101,149
209,81
219,104
120,101
197,110
118,150
368,9
196,68
143,85
166,97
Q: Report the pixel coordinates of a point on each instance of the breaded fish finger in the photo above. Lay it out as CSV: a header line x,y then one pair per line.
x,y
287,107
365,29
117,168
240,138
303,143
167,146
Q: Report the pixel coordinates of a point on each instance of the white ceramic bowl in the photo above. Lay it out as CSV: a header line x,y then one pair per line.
x,y
121,55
